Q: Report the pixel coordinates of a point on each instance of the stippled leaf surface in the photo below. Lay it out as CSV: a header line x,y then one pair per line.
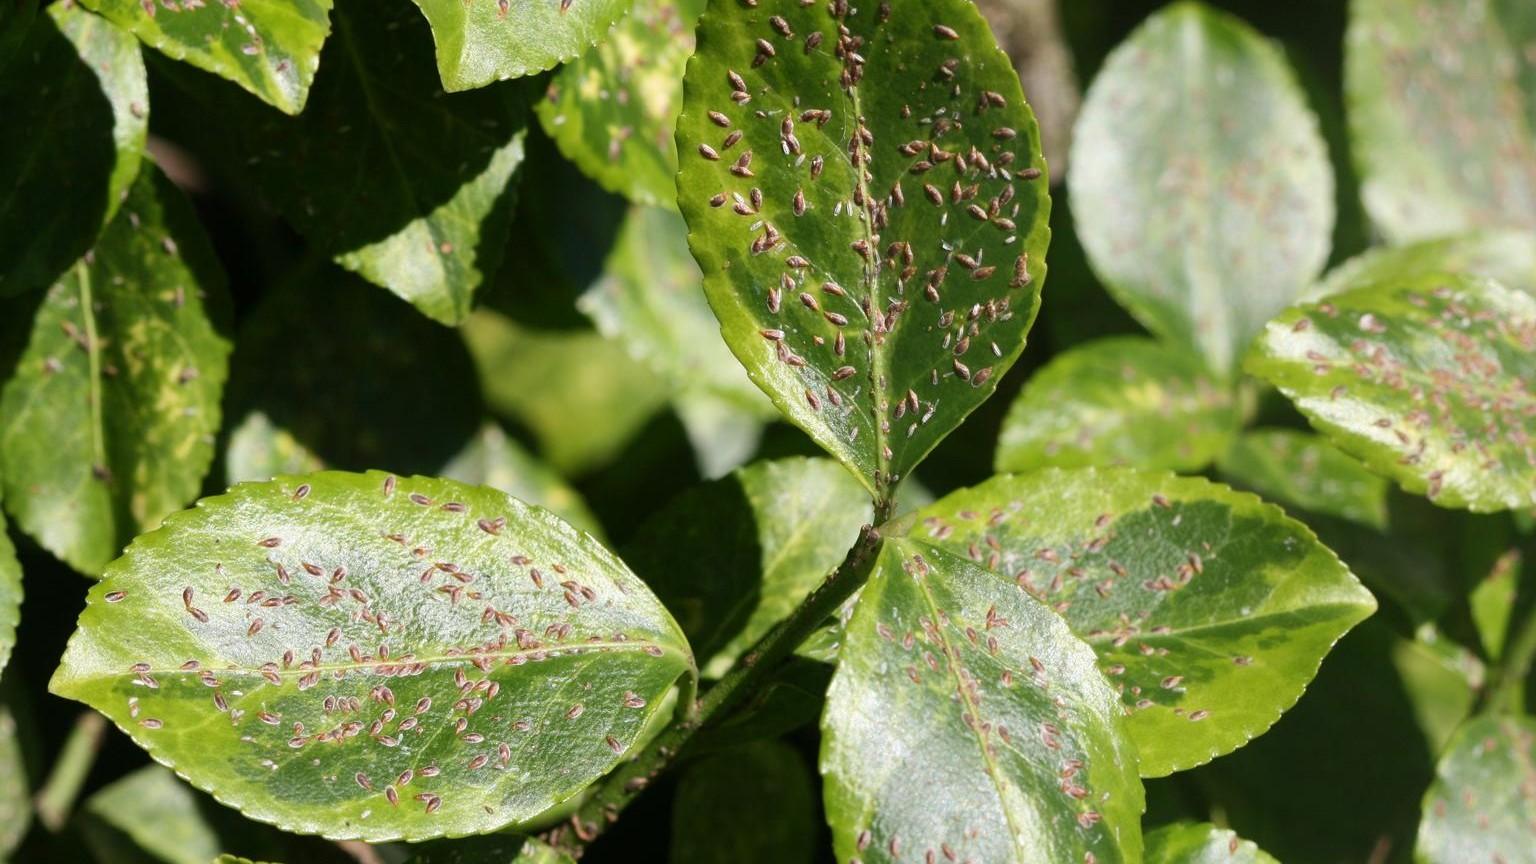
x,y
350,400
865,195
357,656
966,722
1427,380
1119,401
110,417
1210,611
1442,99
1480,807
269,47
733,557
481,42
76,86
750,805
1507,257
1201,843
614,110
407,187
1200,184
1303,470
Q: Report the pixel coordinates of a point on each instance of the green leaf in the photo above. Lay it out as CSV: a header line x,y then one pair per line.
x,y
1210,610
614,110
1124,400
474,657
1492,602
1441,680
269,49
789,700
1435,89
77,86
492,849
750,805
492,459
875,314
1426,380
15,796
733,557
478,43
109,420
1304,471
407,187
1507,257
1200,182
966,720
1480,807
151,815
1201,843
10,600
353,399
580,394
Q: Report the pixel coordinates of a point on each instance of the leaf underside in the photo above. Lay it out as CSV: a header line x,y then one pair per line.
x,y
1119,401
77,86
478,43
1480,807
1201,185
1427,380
870,214
110,418
270,48
361,657
965,722
1210,611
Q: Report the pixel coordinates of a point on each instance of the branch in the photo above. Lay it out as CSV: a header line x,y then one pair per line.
x,y
745,677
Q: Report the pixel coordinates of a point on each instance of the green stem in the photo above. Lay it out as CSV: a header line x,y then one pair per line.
x,y
1507,691
750,671
57,797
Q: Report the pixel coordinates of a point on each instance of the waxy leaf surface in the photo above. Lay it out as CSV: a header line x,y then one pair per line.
x,y
407,187
1442,114
365,657
733,557
76,107
268,47
1209,610
1430,381
1507,257
1201,843
1119,401
481,42
1200,183
614,110
966,722
750,805
1480,807
870,213
110,418
1302,470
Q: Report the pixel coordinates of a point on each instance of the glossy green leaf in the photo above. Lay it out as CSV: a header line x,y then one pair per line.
x,y
1200,183
870,213
77,88
1426,380
478,43
15,796
269,48
733,557
579,393
1507,257
350,398
1480,807
750,805
10,596
966,721
1442,101
1119,401
1201,843
490,849
407,187
613,111
1210,610
356,656
1302,470
109,420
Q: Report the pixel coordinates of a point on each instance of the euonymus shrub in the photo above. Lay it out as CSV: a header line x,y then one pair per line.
x,y
1001,671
